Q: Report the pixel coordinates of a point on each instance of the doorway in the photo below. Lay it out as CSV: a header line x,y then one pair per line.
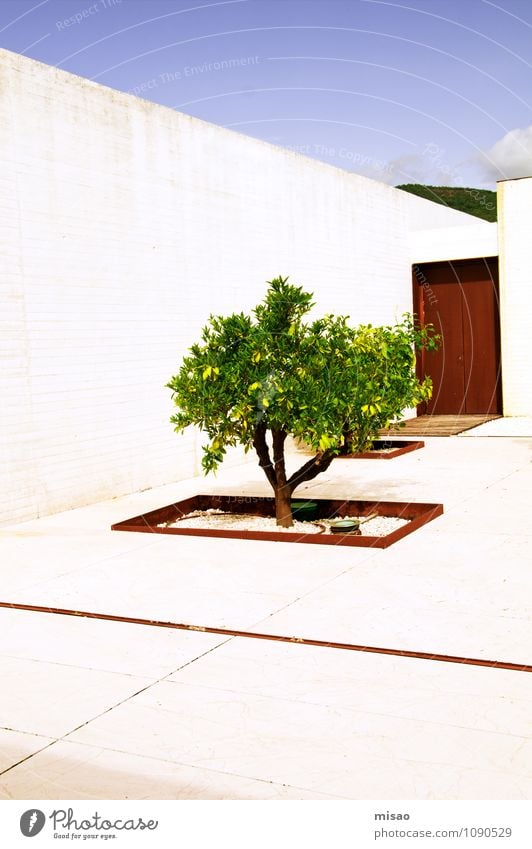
x,y
461,300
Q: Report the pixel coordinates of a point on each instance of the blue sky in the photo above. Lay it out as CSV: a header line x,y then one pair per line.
x,y
433,91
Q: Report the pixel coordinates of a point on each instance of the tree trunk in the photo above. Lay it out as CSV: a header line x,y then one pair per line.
x,y
283,509
283,492
347,444
261,447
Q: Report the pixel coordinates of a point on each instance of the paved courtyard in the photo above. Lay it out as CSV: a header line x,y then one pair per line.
x,y
101,709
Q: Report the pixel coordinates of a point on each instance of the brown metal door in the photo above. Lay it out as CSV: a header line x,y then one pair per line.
x,y
461,300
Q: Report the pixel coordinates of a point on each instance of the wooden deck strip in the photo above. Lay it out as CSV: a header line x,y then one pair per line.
x,y
439,425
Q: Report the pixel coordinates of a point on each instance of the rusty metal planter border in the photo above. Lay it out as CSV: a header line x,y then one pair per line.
x,y
378,452
328,508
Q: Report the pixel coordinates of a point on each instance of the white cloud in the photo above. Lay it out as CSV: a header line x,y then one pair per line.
x,y
510,157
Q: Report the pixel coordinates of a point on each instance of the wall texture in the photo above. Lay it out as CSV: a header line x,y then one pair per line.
x,y
452,243
514,201
123,224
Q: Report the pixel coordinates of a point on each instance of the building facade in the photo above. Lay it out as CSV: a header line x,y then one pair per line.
x,y
124,224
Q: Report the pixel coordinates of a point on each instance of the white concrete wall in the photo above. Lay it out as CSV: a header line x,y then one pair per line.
x,y
426,215
450,243
514,200
123,225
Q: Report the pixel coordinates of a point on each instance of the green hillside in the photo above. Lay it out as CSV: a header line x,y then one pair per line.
x,y
479,202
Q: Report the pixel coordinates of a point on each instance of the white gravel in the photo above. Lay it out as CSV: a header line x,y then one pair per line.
x,y
220,520
378,527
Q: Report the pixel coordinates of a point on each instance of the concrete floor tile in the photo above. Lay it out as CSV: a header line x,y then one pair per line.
x,y
465,696
160,599
100,645
304,745
338,677
405,627
494,512
15,746
222,583
432,598
51,700
75,771
509,426
30,558
388,779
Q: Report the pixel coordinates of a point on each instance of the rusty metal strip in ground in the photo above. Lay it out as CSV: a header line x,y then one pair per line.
x,y
255,635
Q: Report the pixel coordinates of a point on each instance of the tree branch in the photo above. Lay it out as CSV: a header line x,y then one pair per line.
x,y
318,464
261,447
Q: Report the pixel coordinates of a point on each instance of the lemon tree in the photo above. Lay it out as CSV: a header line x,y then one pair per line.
x,y
254,380
383,379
